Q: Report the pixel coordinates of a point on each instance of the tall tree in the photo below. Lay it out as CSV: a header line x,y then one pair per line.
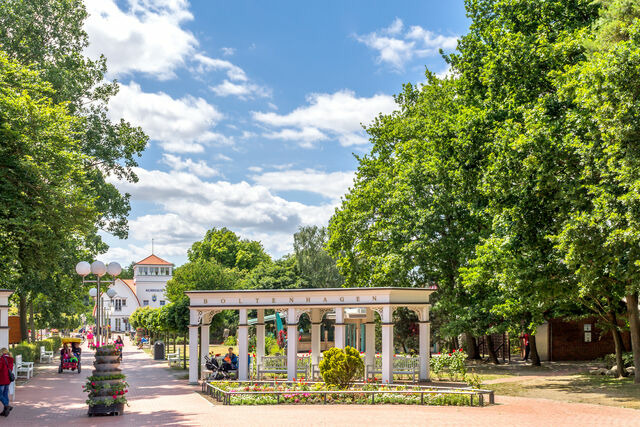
x,y
226,248
48,36
313,260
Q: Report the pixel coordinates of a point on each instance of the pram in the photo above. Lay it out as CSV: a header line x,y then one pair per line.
x,y
218,372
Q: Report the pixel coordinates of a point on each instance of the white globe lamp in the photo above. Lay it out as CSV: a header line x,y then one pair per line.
x,y
111,292
98,268
93,292
83,268
114,269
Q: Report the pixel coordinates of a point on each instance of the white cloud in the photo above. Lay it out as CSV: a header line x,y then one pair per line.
x,y
256,169
227,51
179,125
241,90
305,136
396,49
199,168
146,37
223,157
331,185
208,64
338,115
190,206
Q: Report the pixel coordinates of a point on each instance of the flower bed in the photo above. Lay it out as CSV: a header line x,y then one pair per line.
x,y
308,393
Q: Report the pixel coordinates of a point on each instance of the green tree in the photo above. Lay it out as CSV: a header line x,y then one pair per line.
x,y
201,275
226,248
281,274
48,36
313,260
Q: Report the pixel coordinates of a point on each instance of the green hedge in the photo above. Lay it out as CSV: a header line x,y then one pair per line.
x,y
31,351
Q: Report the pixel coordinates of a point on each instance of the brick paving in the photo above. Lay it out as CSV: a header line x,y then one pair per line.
x,y
158,397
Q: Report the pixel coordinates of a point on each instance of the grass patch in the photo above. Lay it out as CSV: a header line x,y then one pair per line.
x,y
581,388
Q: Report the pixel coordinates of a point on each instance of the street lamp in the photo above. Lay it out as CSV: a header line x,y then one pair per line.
x,y
98,269
111,293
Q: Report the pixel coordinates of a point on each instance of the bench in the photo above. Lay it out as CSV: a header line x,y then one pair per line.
x,y
174,358
401,366
45,356
25,368
278,365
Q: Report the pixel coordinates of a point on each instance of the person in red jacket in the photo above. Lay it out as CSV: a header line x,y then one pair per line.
x,y
6,366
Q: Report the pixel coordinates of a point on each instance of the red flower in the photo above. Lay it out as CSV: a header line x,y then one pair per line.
x,y
115,397
460,350
449,354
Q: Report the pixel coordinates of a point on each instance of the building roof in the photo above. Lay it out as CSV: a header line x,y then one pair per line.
x,y
153,260
131,283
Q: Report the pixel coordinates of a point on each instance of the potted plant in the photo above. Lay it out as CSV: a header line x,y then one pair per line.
x,y
107,387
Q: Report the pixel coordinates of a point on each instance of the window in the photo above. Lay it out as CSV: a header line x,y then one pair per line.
x,y
118,324
124,302
161,302
118,305
145,302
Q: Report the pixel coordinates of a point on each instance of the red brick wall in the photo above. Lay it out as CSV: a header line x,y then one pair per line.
x,y
567,341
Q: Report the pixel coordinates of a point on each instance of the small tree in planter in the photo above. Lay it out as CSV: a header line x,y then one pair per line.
x,y
107,386
341,367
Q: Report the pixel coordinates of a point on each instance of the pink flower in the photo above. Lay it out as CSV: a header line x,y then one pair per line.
x,y
115,397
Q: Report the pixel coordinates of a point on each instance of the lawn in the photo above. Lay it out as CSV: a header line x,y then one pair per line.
x,y
580,388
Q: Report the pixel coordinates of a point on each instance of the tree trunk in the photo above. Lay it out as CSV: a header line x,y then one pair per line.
x,y
471,346
32,322
22,310
634,323
493,357
617,340
184,353
533,351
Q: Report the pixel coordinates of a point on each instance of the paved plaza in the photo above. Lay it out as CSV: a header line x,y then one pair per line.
x,y
158,397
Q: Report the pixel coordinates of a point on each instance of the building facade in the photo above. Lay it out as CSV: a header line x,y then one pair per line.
x,y
146,289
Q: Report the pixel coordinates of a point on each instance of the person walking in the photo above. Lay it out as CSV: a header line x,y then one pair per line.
x,y
6,378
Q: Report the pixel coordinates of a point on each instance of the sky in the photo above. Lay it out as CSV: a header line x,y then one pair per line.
x,y
255,109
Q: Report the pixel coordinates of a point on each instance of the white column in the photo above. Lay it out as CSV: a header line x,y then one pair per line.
x,y
339,331
204,344
4,319
260,337
193,354
316,321
425,339
387,344
292,344
243,346
358,336
370,338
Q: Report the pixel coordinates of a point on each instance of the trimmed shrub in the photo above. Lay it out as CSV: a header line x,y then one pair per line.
x,y
28,351
341,368
231,340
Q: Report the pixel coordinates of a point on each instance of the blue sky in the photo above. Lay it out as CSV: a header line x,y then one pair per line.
x,y
254,108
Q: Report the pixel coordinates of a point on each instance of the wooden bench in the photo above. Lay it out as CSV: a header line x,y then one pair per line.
x,y
401,366
277,365
45,356
25,368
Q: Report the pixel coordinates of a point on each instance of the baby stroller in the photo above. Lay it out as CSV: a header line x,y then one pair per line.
x,y
217,373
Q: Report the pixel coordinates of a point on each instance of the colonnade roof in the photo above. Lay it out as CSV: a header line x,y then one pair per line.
x,y
315,297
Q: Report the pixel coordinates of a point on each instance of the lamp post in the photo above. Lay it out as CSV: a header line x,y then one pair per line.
x,y
98,269
111,293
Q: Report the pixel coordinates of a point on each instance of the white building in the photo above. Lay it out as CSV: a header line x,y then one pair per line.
x,y
147,288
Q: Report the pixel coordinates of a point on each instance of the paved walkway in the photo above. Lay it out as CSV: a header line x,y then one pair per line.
x,y
158,397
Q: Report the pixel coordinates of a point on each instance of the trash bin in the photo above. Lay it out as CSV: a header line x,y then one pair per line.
x,y
158,350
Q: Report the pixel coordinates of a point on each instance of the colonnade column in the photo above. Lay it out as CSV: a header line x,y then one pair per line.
x,y
204,344
424,341
243,346
292,344
370,339
260,337
339,331
316,321
387,344
193,354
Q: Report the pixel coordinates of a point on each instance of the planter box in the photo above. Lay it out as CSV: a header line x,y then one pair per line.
x,y
117,409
